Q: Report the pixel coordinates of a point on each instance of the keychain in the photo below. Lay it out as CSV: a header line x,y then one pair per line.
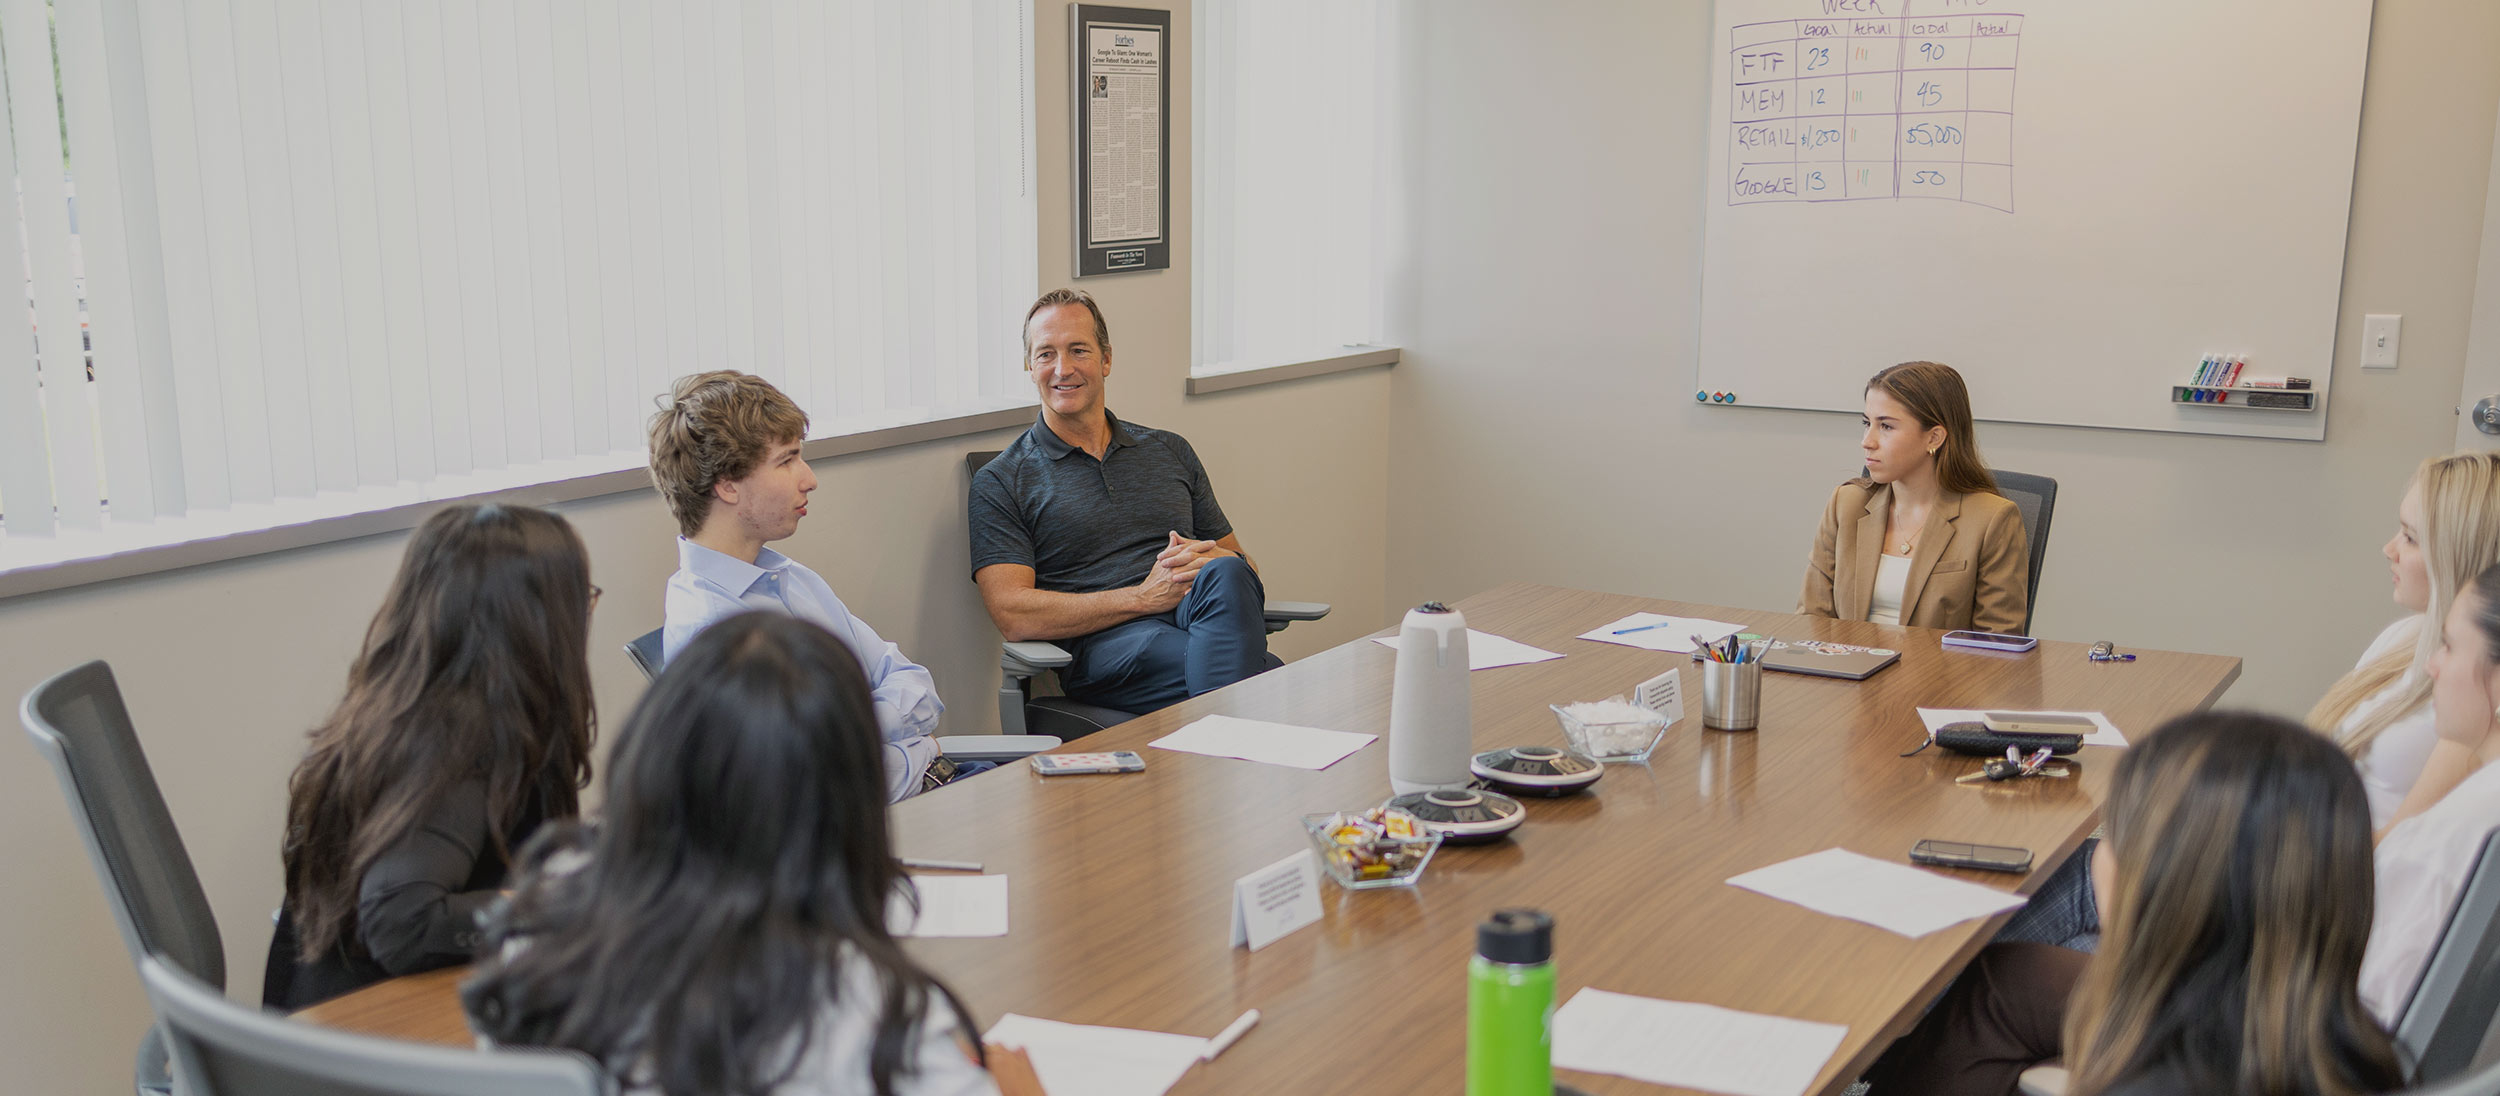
x,y
2105,651
2013,766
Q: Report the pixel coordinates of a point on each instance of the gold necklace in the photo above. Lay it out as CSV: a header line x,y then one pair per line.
x,y
1907,541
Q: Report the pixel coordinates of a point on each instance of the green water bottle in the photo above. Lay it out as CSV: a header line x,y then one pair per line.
x,y
1510,1006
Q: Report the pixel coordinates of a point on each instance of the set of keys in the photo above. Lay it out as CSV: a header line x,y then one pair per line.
x,y
2014,766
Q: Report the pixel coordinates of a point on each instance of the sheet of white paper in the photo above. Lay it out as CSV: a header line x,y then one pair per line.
x,y
1691,1046
1486,650
1676,637
1099,1061
952,905
2107,735
1886,895
1257,740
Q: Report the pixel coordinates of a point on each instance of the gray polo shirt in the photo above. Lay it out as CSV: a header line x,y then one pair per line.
x,y
1085,525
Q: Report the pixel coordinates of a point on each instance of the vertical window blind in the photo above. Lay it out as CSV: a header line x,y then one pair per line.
x,y
338,255
1292,179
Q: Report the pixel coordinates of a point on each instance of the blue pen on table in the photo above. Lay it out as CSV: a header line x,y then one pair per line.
x,y
1642,628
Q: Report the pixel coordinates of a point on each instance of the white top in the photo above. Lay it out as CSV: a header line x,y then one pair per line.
x,y
2395,758
838,1048
2422,865
1892,579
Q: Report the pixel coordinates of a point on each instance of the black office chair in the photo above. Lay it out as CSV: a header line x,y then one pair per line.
x,y
2037,497
646,652
80,725
644,649
1021,661
224,1049
2443,1024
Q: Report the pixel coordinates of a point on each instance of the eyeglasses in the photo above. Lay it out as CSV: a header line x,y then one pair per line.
x,y
595,591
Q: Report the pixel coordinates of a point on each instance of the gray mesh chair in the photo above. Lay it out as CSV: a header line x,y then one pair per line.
x,y
645,650
224,1049
1020,662
2037,498
80,726
2453,1007
2482,1082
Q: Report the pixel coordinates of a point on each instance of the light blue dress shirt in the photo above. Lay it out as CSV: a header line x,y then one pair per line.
x,y
710,586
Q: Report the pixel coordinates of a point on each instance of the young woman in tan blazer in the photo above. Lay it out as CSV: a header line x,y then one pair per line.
x,y
1923,538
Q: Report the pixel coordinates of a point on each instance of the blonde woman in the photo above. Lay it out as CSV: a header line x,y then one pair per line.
x,y
1923,538
2211,816
2447,531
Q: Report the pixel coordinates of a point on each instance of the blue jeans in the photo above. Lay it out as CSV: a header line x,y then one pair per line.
x,y
2064,912
1217,636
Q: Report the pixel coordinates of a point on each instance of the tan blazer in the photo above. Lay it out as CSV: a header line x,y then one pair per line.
x,y
1971,569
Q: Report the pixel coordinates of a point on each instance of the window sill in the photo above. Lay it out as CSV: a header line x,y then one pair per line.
x,y
1225,380
187,542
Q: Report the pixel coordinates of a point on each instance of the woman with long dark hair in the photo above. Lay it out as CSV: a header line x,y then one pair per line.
x,y
1923,538
2236,886
722,929
467,722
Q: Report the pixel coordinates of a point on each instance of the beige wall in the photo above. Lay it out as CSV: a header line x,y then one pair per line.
x,y
1545,426
226,665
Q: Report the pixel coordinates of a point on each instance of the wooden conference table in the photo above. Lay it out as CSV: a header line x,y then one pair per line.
x,y
1120,885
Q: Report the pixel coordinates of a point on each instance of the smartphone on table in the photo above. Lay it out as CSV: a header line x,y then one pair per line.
x,y
1963,854
1989,641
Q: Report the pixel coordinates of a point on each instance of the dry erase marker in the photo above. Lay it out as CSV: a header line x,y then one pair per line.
x,y
940,865
1230,1035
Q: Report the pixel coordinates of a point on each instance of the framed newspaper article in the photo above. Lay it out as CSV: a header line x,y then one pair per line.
x,y
1123,134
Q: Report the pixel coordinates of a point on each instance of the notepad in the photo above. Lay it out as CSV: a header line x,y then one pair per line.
x,y
2107,735
1487,651
951,905
1676,637
1886,895
1099,1061
1691,1046
1257,740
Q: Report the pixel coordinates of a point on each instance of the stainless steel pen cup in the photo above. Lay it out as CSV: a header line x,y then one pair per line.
x,y
1731,695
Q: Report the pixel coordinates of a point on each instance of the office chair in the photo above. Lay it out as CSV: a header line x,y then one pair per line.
x,y
2037,498
79,724
2482,1082
2443,1024
1021,661
223,1049
645,650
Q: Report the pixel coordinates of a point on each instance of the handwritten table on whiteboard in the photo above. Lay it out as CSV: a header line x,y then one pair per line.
x,y
1851,109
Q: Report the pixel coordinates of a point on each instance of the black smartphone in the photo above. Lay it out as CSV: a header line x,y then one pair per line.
x,y
1963,854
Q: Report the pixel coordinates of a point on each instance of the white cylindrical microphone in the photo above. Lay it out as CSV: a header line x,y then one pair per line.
x,y
1431,736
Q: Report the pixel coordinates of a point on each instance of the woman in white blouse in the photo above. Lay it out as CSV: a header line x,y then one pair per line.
x,y
2435,837
2447,531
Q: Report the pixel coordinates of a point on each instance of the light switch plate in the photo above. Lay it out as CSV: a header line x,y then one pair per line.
x,y
2378,341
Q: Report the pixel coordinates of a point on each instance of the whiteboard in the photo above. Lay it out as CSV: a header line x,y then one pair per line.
x,y
2070,201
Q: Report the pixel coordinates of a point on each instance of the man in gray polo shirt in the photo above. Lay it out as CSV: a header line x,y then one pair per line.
x,y
1105,537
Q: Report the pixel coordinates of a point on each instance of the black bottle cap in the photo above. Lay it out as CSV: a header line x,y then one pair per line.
x,y
1432,607
1517,937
